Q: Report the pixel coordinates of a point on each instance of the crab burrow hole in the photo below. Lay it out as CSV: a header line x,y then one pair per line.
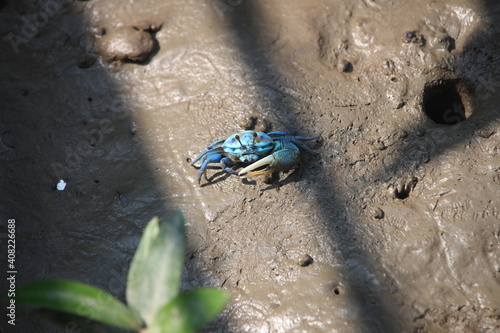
x,y
447,102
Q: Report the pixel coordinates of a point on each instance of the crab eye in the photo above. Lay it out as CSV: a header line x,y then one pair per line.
x,y
237,137
254,134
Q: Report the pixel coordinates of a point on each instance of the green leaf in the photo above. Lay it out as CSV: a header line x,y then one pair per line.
x,y
80,299
155,273
189,311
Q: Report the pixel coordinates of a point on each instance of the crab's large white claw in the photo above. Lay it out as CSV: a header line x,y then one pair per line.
x,y
247,171
286,157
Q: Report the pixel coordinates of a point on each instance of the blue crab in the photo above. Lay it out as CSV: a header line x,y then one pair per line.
x,y
276,151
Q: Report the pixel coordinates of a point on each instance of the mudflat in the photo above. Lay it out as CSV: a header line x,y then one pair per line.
x,y
393,227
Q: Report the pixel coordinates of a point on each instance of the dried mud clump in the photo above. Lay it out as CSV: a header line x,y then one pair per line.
x,y
255,122
129,44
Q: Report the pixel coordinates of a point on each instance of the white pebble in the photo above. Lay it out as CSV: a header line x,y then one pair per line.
x,y
61,185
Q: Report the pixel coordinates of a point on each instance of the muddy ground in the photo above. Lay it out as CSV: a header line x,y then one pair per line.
x,y
393,227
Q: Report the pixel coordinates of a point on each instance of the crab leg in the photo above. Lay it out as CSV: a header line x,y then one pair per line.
x,y
216,143
206,153
295,138
302,145
278,134
225,164
208,159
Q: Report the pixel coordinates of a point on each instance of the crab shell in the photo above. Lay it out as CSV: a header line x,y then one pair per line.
x,y
248,146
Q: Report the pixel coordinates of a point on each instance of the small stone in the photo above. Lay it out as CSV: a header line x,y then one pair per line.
x,y
61,185
305,260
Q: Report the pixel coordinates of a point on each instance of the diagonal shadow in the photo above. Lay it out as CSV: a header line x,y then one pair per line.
x,y
64,117
333,210
380,316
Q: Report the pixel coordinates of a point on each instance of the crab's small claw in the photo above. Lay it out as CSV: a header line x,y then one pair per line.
x,y
225,164
286,157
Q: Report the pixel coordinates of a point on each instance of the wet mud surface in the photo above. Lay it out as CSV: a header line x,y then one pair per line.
x,y
393,227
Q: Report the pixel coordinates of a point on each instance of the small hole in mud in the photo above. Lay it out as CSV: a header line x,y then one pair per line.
x,y
338,289
443,103
403,191
402,194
